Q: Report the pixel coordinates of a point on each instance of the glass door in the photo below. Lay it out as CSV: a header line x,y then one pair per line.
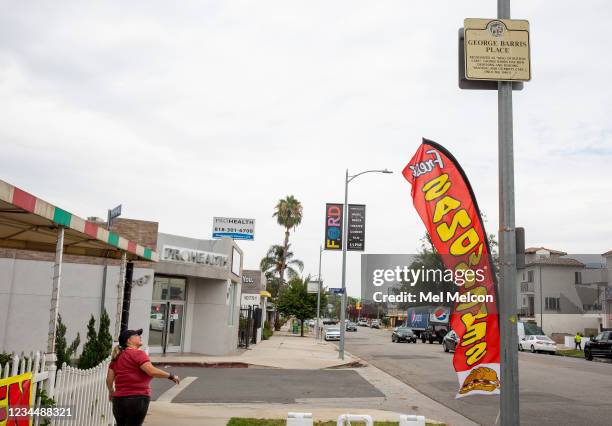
x,y
167,314
174,332
157,325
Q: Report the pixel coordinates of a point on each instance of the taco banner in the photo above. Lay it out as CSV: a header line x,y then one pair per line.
x,y
443,198
16,398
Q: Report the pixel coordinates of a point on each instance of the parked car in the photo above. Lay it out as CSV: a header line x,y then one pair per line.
x,y
403,334
600,345
375,323
156,323
450,341
351,326
362,323
539,343
332,333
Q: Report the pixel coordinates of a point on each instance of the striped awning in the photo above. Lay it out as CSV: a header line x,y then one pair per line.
x,y
29,223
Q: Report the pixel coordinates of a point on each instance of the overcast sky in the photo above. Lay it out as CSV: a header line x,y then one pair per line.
x,y
182,112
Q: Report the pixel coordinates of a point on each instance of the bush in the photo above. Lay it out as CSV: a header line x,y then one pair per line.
x,y
89,357
105,340
63,352
5,358
267,331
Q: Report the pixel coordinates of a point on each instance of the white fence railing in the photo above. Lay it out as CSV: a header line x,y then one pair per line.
x,y
21,364
85,392
82,391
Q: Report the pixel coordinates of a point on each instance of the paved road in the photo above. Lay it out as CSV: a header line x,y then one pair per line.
x,y
553,390
235,385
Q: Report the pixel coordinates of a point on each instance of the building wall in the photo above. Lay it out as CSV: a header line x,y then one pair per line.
x,y
25,297
558,282
210,332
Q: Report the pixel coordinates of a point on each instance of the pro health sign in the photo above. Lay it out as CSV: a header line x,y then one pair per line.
x,y
234,227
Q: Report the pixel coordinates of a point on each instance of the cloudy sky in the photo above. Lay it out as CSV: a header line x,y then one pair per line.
x,y
219,108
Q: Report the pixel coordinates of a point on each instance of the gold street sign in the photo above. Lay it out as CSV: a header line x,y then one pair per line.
x,y
497,49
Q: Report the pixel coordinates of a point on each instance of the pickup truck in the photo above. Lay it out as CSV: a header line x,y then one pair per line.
x,y
434,333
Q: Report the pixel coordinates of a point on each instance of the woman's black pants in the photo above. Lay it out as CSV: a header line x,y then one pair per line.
x,y
130,410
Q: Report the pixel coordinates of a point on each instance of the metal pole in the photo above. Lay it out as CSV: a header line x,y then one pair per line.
x,y
509,398
120,284
344,241
55,292
541,300
318,294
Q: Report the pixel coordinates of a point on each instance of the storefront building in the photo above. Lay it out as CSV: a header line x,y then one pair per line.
x,y
195,296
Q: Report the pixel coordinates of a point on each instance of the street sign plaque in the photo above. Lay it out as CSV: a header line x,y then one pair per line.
x,y
336,290
497,50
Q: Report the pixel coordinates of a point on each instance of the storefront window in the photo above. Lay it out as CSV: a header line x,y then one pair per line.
x,y
166,288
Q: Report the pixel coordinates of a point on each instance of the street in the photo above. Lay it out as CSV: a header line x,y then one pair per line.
x,y
554,390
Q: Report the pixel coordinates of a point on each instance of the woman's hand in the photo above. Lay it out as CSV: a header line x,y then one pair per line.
x,y
176,379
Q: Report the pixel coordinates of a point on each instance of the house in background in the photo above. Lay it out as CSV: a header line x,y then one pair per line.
x,y
565,294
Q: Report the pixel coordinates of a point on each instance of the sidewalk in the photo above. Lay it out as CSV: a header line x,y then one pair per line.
x,y
282,350
219,414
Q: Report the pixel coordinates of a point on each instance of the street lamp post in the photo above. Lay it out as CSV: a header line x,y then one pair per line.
x,y
347,179
317,328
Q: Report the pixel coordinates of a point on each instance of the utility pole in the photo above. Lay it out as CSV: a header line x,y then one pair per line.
x,y
509,398
344,244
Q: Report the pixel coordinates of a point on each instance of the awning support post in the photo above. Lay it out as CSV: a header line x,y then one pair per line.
x,y
120,285
51,357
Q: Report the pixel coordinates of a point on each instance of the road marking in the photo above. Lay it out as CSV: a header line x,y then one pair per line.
x,y
172,393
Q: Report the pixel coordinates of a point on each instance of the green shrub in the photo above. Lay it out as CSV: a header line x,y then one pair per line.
x,y
63,352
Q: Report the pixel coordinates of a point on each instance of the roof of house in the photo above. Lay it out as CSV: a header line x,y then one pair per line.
x,y
532,250
608,253
558,261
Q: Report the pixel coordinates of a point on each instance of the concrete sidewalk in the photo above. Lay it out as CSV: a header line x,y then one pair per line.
x,y
160,413
282,350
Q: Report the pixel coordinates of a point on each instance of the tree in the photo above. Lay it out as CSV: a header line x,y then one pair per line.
x,y
294,300
64,352
288,213
105,340
272,264
89,356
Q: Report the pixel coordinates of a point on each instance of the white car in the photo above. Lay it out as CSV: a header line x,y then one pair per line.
x,y
332,333
538,344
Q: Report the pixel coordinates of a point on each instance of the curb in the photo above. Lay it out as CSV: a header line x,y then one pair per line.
x,y
203,364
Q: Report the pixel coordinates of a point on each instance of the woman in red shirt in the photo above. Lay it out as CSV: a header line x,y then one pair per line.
x,y
131,371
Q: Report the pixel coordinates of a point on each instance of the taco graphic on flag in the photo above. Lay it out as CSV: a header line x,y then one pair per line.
x,y
443,198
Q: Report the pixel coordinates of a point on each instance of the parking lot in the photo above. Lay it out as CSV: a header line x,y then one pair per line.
x,y
554,390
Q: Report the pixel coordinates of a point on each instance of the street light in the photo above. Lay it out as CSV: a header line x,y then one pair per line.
x,y
347,179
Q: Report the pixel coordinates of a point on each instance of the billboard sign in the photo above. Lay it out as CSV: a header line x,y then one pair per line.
x,y
333,226
356,227
313,286
235,228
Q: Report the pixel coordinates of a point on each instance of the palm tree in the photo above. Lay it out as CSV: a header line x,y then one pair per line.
x,y
288,213
272,264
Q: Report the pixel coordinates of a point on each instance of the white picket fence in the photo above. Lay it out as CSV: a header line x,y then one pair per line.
x,y
21,364
82,391
85,391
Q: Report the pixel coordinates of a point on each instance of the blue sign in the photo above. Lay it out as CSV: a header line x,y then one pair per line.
x,y
336,290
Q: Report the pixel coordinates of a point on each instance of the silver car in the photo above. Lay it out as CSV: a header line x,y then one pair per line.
x,y
332,333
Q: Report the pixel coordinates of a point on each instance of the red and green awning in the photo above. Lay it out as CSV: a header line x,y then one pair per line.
x,y
29,223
